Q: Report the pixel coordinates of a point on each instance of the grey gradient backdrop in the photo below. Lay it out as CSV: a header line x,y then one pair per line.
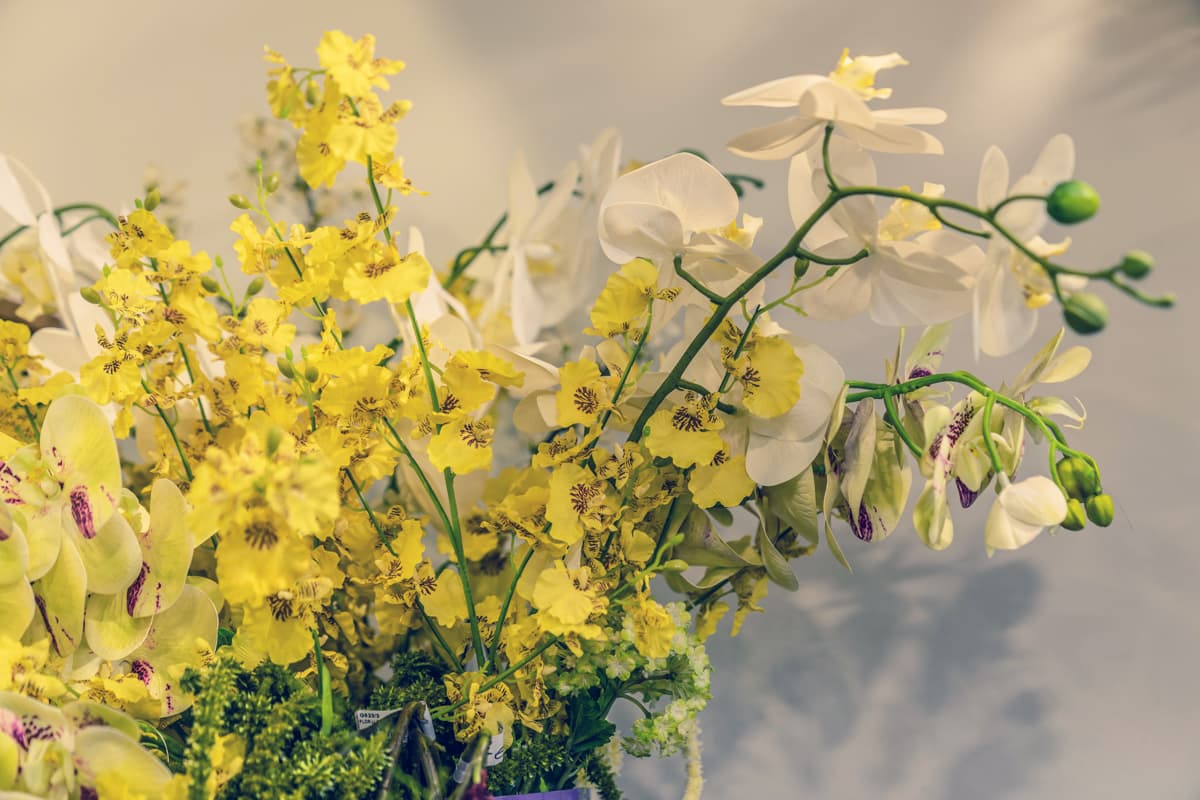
x,y
1066,670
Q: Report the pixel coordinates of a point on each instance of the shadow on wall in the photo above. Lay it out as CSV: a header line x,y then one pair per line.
x,y
869,677
1152,45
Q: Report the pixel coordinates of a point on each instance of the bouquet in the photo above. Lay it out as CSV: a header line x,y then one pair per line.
x,y
332,521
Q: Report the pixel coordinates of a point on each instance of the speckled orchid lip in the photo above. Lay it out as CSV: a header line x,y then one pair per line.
x,y
81,512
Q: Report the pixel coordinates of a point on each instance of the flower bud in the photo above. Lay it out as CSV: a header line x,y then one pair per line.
x,y
1072,201
1085,313
153,198
1100,510
238,201
1078,478
274,439
271,184
1137,264
311,93
90,294
286,369
255,287
1076,517
675,565
800,268
311,374
210,284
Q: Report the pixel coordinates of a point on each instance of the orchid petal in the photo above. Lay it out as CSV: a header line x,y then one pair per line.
x,y
778,93
778,140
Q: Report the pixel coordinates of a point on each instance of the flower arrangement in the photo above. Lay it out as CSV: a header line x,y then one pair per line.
x,y
251,547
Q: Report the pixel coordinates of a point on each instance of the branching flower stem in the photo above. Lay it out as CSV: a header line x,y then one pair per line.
x,y
726,303
451,514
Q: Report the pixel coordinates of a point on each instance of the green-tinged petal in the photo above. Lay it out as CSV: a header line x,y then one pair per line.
x,y
932,520
9,765
77,442
43,527
1056,406
108,758
1032,372
1066,365
110,630
173,637
702,546
60,595
14,552
84,713
795,503
29,710
886,493
926,355
166,552
778,569
112,558
859,453
176,640
211,589
16,609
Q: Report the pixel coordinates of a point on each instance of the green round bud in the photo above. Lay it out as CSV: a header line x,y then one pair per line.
x,y
274,439
238,201
1100,510
1137,264
286,369
153,198
255,287
1078,478
1076,517
271,184
91,295
210,284
311,374
675,565
800,268
312,93
1085,313
1072,201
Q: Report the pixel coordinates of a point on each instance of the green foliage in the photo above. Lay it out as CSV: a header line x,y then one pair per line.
x,y
527,761
600,774
277,721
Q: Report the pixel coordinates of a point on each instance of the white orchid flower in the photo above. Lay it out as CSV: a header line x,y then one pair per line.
x,y
1011,286
902,280
840,98
1022,511
532,245
680,206
566,290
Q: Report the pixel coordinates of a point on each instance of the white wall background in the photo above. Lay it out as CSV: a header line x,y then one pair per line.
x,y
1065,670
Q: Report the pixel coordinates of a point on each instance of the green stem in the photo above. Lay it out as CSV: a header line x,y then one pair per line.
x,y
454,531
722,310
370,513
825,160
512,588
833,262
637,351
187,469
691,280
466,257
